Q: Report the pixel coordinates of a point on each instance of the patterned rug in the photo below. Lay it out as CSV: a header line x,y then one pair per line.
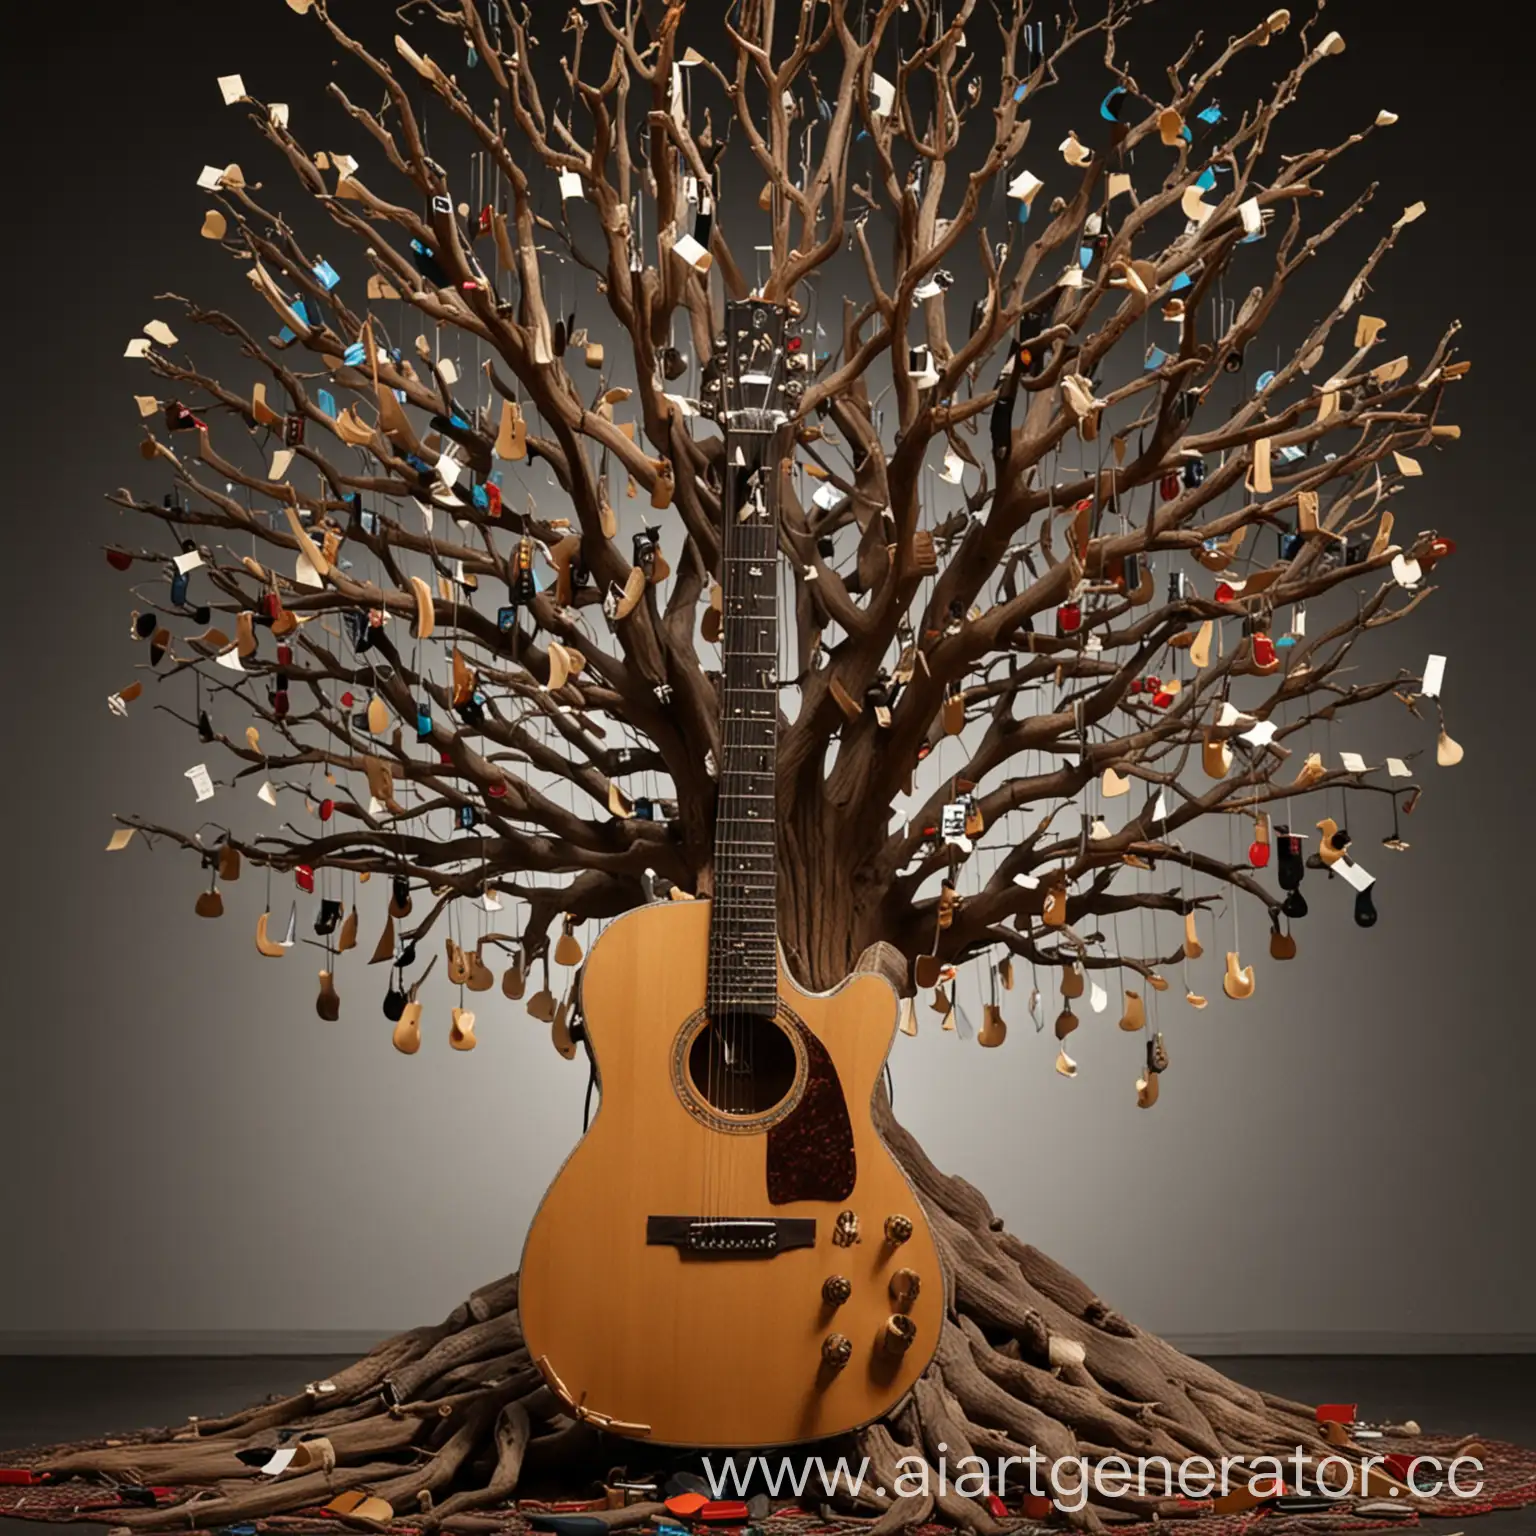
x,y
1509,1478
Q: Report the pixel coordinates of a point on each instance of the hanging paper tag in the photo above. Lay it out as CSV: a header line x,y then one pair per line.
x,y
202,782
1354,874
1434,676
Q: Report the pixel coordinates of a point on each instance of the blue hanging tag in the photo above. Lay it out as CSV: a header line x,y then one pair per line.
x,y
326,274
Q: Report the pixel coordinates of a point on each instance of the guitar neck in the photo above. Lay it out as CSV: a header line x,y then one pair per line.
x,y
743,969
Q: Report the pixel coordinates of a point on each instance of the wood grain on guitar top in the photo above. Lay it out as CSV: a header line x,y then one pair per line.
x,y
706,1351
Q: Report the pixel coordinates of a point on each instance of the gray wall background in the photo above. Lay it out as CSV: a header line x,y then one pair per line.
x,y
190,1159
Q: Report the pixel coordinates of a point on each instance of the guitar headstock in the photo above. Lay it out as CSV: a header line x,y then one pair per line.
x,y
759,365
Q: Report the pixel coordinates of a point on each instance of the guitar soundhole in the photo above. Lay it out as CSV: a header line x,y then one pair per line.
x,y
742,1064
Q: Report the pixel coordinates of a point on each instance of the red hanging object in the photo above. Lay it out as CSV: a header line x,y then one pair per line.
x,y
1438,549
1162,699
1069,618
119,559
304,878
1224,592
1258,854
1169,485
347,699
327,809
1263,650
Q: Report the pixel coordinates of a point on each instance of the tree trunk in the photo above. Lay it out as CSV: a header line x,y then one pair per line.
x,y
829,904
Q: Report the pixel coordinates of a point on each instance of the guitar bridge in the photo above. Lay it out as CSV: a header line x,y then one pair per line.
x,y
730,1237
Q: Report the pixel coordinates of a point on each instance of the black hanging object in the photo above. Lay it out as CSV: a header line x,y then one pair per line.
x,y
1290,867
1294,905
1365,907
394,1004
204,726
328,917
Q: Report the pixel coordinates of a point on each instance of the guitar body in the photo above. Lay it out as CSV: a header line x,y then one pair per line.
x,y
703,1345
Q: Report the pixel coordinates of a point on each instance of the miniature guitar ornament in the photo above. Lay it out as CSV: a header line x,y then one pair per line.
x,y
731,1256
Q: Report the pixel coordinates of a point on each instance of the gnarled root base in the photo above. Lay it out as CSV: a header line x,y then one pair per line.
x,y
442,1422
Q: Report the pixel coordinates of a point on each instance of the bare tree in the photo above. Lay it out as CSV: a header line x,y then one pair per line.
x,y
461,587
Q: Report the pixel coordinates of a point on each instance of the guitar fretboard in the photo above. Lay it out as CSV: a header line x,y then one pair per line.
x,y
743,971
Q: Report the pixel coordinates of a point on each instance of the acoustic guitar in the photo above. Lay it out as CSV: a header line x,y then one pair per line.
x,y
731,1256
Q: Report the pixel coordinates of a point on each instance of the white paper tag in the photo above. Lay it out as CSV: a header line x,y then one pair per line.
x,y
188,561
1098,998
202,782
1355,874
1434,676
692,252
267,794
1398,768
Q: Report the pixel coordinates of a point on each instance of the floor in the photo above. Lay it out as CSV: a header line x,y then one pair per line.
x,y
69,1398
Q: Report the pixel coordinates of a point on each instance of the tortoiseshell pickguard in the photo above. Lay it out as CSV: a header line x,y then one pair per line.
x,y
810,1151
